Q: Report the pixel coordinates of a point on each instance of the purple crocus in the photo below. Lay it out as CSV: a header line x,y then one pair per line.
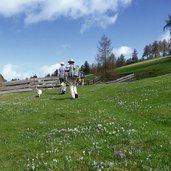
x,y
120,154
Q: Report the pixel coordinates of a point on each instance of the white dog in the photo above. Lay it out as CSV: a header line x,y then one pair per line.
x,y
39,91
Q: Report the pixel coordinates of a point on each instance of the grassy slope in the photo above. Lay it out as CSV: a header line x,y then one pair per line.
x,y
148,68
117,126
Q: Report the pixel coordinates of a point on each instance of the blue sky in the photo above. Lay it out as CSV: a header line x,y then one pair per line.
x,y
36,35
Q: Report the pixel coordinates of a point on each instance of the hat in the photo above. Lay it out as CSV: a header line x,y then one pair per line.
x,y
62,63
71,61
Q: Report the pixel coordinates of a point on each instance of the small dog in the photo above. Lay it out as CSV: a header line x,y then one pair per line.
x,y
39,91
63,88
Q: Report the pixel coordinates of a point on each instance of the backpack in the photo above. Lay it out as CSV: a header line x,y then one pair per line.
x,y
73,71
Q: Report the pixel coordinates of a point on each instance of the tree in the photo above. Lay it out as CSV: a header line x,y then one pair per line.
x,y
112,58
155,49
93,68
55,73
34,76
104,50
128,61
105,66
164,47
120,61
86,68
151,52
147,52
168,26
48,75
134,56
2,78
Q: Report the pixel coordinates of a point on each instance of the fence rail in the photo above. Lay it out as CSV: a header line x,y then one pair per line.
x,y
48,82
126,78
119,80
28,85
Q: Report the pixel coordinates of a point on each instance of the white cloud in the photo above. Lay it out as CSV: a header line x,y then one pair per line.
x,y
94,12
49,69
10,71
124,50
165,36
102,21
14,7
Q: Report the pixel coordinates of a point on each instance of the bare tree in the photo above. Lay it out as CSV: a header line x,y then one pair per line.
x,y
105,59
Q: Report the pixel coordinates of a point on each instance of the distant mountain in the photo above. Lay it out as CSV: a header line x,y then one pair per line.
x,y
2,78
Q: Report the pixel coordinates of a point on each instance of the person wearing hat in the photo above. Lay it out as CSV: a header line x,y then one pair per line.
x,y
73,74
82,76
62,78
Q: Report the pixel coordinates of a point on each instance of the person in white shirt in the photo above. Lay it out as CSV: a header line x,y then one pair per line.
x,y
72,78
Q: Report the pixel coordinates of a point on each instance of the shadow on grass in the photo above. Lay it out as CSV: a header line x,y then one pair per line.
x,y
62,98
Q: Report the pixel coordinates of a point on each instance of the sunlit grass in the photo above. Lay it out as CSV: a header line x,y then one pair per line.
x,y
110,127
147,68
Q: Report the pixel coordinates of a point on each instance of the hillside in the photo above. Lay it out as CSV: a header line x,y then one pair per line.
x,y
148,68
113,127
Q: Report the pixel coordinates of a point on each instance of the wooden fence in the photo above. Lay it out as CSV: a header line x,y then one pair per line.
x,y
126,78
48,82
28,85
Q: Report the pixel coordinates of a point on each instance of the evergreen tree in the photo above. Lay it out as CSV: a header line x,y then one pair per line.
x,y
112,58
128,61
134,56
93,68
86,68
168,26
155,49
2,78
48,75
165,49
160,44
151,51
120,61
146,52
55,73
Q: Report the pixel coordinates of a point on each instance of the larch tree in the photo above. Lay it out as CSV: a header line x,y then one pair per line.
x,y
105,64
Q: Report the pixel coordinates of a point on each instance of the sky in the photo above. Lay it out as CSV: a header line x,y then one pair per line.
x,y
36,35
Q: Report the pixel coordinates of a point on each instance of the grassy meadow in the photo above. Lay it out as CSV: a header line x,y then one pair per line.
x,y
147,68
114,127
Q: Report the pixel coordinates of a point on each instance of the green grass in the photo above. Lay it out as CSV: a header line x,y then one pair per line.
x,y
110,127
148,68
89,77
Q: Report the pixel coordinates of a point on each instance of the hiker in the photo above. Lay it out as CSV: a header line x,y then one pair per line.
x,y
73,75
82,76
62,78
